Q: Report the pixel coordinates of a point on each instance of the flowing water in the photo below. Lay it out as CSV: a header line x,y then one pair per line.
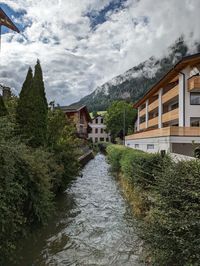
x,y
93,225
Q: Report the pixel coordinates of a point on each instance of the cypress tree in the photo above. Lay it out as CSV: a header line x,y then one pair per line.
x,y
38,106
23,109
3,110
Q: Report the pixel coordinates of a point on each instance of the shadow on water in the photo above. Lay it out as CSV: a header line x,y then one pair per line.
x,y
93,225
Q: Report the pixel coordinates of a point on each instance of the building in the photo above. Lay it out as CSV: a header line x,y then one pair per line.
x,y
98,133
169,113
81,118
6,22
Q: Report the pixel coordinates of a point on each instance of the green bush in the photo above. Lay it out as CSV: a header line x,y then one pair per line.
x,y
114,153
173,227
141,167
25,195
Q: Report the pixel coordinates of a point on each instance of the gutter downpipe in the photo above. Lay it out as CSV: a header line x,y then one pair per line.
x,y
183,74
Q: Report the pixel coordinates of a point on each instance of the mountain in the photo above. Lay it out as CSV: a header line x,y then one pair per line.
x,y
134,83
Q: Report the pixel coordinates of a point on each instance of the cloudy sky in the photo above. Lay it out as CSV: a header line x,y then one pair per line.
x,y
84,43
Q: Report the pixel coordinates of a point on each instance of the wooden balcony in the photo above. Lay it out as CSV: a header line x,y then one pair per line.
x,y
143,126
170,116
153,105
153,122
170,94
194,83
166,132
142,112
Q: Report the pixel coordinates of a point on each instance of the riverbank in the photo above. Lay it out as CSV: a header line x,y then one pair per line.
x,y
164,196
93,225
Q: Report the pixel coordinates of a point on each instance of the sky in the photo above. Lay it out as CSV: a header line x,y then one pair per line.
x,y
84,43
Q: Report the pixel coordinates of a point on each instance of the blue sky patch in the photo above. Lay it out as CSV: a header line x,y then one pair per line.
x,y
97,18
12,14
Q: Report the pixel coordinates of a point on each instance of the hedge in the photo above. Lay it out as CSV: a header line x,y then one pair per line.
x,y
171,225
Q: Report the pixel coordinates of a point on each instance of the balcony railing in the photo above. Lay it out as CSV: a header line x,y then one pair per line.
x,y
167,131
194,83
170,116
143,125
153,122
170,94
153,105
142,112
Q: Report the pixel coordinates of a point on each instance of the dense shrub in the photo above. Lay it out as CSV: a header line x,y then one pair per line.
x,y
171,225
141,168
30,178
115,153
25,195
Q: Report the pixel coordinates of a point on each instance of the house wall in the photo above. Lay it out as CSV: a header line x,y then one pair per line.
x,y
79,118
190,110
159,143
180,145
99,126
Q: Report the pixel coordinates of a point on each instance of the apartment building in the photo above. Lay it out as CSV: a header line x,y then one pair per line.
x,y
169,113
98,133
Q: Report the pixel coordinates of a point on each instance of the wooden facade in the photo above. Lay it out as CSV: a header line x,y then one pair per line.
x,y
80,116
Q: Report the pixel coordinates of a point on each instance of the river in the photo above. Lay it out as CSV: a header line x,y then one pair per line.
x,y
93,225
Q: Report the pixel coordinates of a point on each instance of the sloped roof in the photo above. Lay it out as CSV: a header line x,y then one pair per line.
x,y
184,62
75,108
72,108
7,22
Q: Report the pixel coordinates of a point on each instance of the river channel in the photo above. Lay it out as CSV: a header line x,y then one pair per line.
x,y
93,225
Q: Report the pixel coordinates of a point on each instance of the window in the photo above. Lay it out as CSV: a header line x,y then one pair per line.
x,y
195,98
174,106
195,121
101,120
96,130
137,146
150,147
96,140
96,120
101,130
101,139
142,119
107,139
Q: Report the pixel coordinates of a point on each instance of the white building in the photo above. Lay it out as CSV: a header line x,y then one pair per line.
x,y
169,113
98,133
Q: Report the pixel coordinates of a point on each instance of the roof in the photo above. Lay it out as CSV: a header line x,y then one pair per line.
x,y
7,22
185,61
75,108
72,108
93,118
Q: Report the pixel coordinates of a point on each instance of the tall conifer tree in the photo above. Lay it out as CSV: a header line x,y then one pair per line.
x,y
23,107
3,110
37,123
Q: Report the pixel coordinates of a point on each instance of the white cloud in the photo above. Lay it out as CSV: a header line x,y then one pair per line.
x,y
77,58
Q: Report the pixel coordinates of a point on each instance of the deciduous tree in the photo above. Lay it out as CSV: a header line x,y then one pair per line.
x,y
119,118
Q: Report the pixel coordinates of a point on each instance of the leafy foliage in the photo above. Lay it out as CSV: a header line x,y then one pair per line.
x,y
32,109
173,227
23,107
38,109
62,142
171,199
38,157
25,194
119,117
